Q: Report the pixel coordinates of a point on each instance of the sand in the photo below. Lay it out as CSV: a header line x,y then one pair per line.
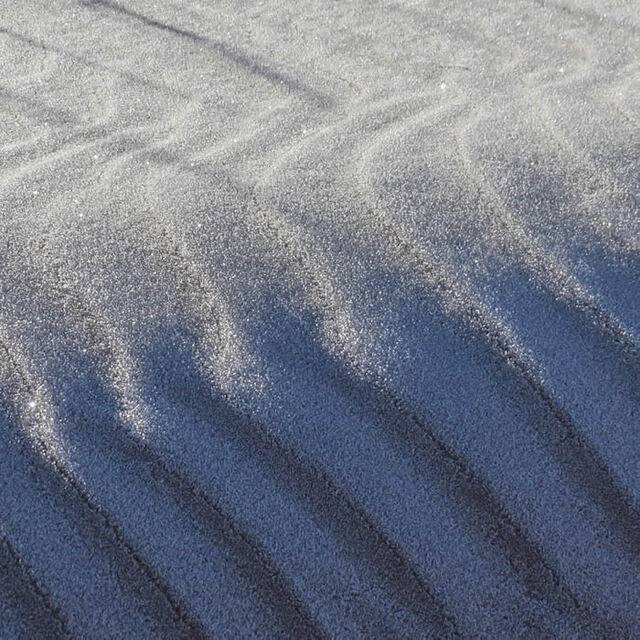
x,y
319,319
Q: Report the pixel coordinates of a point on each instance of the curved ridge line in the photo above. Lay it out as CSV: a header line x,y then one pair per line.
x,y
594,170
439,282
378,107
525,557
562,282
126,75
46,601
280,594
98,511
172,477
318,492
491,509
280,463
280,460
241,59
505,345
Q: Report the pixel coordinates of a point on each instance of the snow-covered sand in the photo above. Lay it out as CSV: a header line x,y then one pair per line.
x,y
319,319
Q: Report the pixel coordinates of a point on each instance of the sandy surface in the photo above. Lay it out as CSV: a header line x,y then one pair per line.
x,y
319,319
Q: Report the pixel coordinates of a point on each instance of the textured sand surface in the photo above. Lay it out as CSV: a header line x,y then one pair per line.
x,y
319,319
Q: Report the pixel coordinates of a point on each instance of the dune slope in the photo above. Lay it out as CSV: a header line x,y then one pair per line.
x,y
319,320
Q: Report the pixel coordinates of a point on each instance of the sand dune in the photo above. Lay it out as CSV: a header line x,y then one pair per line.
x,y
319,320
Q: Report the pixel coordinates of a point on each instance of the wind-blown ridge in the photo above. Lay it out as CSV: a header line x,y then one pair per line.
x,y
319,319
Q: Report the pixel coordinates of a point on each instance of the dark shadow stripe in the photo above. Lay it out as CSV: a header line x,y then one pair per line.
x,y
620,336
140,577
233,54
577,454
350,525
591,473
331,506
39,614
573,450
154,596
125,75
525,558
55,473
252,560
426,450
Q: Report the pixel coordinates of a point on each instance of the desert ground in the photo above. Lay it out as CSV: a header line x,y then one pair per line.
x,y
320,319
